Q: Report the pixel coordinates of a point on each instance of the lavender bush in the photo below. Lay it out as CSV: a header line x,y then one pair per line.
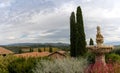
x,y
68,65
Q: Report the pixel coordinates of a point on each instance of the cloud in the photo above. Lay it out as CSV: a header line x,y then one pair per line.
x,y
47,25
102,13
6,3
48,20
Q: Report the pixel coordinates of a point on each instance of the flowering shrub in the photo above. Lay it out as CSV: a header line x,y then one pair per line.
x,y
116,67
4,62
68,65
112,66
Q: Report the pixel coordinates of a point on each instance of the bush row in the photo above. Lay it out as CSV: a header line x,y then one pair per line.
x,y
12,64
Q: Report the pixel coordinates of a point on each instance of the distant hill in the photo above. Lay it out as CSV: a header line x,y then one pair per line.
x,y
38,44
17,46
113,43
117,46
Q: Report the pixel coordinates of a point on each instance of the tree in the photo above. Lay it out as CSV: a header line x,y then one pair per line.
x,y
39,50
77,34
80,34
20,51
44,49
31,50
72,35
91,42
50,49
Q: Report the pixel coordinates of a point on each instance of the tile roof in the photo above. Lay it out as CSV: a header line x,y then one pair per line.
x,y
62,52
33,54
5,51
58,52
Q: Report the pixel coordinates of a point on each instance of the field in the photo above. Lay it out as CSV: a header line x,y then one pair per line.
x,y
16,49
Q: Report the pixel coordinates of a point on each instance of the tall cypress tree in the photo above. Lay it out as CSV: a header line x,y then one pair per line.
x,y
44,48
80,34
39,50
31,49
72,35
20,51
91,42
50,49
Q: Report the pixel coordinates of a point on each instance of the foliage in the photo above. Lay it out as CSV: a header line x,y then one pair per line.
x,y
77,34
68,65
90,58
99,67
44,49
72,35
39,50
31,49
80,34
91,42
12,64
22,65
54,49
112,66
116,51
50,49
20,51
114,57
4,62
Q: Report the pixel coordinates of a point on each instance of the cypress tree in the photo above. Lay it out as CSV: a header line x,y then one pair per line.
x,y
31,50
91,42
50,49
20,51
80,34
39,50
72,35
44,49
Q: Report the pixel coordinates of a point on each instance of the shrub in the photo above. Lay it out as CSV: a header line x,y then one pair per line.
x,y
90,58
22,65
68,65
4,62
113,57
116,51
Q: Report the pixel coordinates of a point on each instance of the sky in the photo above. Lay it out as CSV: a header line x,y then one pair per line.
x,y
47,21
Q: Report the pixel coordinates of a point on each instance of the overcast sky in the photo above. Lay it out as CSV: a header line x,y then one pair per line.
x,y
41,21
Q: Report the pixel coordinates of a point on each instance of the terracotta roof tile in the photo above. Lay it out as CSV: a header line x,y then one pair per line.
x,y
62,52
33,54
5,51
